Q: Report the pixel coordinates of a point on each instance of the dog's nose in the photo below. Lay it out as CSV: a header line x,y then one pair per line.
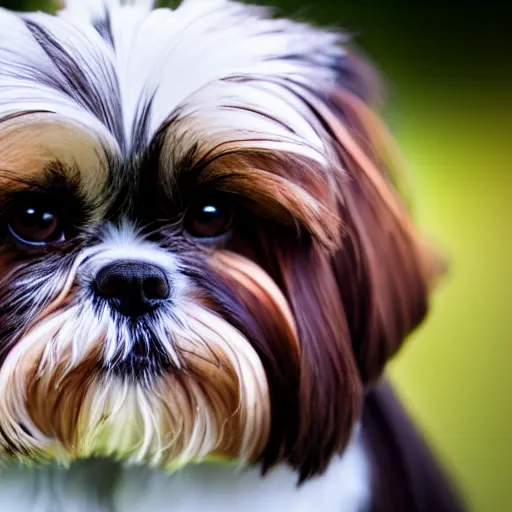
x,y
133,288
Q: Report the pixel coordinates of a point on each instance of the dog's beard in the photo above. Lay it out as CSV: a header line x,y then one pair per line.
x,y
79,383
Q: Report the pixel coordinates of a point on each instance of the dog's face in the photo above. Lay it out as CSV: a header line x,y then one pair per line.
x,y
202,251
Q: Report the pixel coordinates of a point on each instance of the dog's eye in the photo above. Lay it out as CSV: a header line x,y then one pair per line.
x,y
36,224
209,219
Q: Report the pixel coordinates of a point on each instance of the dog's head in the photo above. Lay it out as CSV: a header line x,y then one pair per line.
x,y
203,252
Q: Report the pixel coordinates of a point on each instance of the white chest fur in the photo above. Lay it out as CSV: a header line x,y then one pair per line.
x,y
98,486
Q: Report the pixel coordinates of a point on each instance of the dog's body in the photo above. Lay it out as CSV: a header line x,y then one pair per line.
x,y
205,262
102,486
385,468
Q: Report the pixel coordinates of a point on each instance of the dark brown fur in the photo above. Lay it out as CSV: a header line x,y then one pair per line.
x,y
406,476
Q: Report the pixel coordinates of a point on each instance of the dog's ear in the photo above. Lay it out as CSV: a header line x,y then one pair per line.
x,y
383,267
357,296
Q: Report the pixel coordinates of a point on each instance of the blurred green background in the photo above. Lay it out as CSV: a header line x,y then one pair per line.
x,y
449,78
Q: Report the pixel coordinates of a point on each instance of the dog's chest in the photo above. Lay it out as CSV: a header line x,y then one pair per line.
x,y
98,486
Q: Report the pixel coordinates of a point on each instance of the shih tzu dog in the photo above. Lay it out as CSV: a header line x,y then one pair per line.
x,y
205,263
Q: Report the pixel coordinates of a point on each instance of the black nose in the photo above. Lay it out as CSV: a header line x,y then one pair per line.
x,y
133,288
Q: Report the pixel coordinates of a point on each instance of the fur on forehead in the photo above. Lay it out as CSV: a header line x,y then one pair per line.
x,y
127,69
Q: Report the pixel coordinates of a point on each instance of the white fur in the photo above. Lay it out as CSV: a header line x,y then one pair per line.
x,y
177,59
97,486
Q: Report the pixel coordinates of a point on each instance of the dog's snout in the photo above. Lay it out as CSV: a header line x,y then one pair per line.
x,y
133,288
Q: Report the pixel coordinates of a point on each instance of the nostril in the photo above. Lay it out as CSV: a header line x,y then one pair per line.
x,y
133,288
156,287
111,286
